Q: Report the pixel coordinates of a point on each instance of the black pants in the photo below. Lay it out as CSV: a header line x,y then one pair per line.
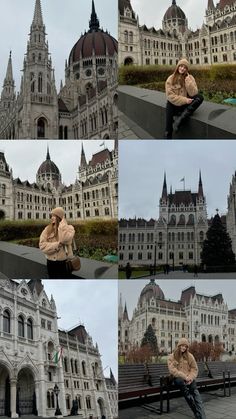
x,y
173,110
192,397
57,269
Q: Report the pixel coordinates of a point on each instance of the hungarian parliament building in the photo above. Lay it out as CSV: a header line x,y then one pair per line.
x,y
213,42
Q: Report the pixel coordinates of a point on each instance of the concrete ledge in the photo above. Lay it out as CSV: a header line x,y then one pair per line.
x,y
25,262
146,108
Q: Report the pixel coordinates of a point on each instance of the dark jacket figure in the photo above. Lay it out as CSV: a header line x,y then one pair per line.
x,y
183,367
182,97
128,271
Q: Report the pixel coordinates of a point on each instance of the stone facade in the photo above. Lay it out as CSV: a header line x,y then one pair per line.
x,y
30,343
231,213
94,193
175,238
86,105
195,316
214,42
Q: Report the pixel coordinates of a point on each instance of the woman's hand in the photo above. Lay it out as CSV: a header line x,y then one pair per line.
x,y
189,100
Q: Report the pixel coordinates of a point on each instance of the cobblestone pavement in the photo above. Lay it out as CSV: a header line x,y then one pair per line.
x,y
215,408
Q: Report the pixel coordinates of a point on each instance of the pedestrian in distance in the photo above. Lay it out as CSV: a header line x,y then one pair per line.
x,y
182,97
56,243
183,367
128,271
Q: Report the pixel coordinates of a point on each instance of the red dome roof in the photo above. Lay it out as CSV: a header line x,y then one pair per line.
x,y
152,290
98,42
174,12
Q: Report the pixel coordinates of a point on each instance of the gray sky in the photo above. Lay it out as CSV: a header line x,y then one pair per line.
x,y
131,289
25,156
142,165
92,303
64,21
151,12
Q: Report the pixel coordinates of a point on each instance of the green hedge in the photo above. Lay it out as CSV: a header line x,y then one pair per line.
x,y
134,75
94,238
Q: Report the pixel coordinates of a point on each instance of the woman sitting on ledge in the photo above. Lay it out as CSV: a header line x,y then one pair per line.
x,y
56,243
183,367
182,97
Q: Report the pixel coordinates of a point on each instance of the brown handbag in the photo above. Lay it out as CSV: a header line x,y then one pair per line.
x,y
74,263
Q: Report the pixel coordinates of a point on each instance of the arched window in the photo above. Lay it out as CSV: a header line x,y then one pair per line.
x,y
29,329
41,128
6,322
21,332
76,367
126,36
48,400
84,367
72,366
40,83
65,365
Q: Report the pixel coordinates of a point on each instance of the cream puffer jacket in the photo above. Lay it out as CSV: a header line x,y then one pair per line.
x,y
177,94
183,369
50,245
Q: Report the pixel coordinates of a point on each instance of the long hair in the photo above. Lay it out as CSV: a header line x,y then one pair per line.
x,y
178,354
53,228
178,78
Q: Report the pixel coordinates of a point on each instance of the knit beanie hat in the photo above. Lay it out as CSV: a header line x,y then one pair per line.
x,y
183,341
59,211
183,61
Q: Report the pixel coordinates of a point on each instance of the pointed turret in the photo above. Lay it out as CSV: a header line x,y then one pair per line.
x,y
174,2
210,5
112,378
125,314
83,162
9,74
8,91
48,155
38,17
200,188
164,188
94,22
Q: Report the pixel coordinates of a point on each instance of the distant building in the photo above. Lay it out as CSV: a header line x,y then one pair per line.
x,y
86,105
195,316
35,355
112,389
175,238
94,193
231,213
213,42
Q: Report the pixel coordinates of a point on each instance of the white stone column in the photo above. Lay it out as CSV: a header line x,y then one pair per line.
x,y
13,398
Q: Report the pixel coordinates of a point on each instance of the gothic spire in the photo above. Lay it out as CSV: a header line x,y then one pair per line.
x,y
83,162
125,314
200,188
9,73
94,22
48,155
38,17
173,2
164,188
210,5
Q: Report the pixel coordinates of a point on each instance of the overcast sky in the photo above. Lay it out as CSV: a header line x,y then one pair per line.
x,y
92,303
131,289
25,156
151,12
142,165
64,21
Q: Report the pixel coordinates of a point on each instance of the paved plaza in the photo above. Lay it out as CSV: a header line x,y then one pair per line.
x,y
130,130
187,275
215,408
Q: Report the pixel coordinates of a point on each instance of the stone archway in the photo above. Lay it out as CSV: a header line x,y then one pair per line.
x,y
41,127
25,395
5,392
128,61
2,215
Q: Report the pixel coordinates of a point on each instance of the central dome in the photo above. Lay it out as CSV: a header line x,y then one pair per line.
x,y
48,174
174,12
152,290
48,166
95,41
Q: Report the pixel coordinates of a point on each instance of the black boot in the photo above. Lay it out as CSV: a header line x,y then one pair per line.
x,y
197,100
168,135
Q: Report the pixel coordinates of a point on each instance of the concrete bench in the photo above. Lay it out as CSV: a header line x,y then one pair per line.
x,y
146,108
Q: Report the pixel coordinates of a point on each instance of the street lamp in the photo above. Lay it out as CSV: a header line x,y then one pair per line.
x,y
56,391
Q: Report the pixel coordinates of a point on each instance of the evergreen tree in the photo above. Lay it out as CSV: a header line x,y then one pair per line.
x,y
149,339
217,247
